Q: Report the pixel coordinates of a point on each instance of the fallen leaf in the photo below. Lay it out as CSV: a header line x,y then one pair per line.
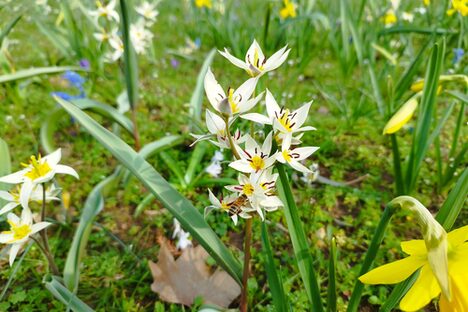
x,y
188,277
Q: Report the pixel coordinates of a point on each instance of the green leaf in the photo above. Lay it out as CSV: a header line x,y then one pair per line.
x,y
370,256
130,60
416,30
93,205
5,167
143,204
458,95
331,298
182,209
159,145
280,300
196,100
56,38
28,73
51,124
15,269
61,293
299,240
195,160
8,28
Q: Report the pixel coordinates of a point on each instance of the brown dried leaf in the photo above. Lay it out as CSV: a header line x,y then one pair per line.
x,y
182,280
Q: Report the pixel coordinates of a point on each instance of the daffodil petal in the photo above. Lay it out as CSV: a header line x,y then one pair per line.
x,y
422,292
459,302
414,247
401,117
393,272
458,236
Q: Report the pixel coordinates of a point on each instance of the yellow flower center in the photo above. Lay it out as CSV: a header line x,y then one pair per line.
x,y
285,120
286,156
247,189
225,206
257,163
19,231
37,169
232,102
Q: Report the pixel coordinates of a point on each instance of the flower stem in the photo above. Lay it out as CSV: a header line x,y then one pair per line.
x,y
245,276
231,142
45,248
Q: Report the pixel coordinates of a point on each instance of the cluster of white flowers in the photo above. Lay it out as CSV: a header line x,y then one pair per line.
x,y
30,187
183,238
256,190
107,19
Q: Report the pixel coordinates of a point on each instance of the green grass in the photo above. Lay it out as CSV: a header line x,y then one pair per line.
x,y
115,275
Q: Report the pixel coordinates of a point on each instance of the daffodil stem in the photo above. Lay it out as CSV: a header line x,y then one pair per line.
x,y
136,134
245,277
45,248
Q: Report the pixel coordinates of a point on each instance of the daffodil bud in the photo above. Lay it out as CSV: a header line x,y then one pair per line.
x,y
435,238
402,116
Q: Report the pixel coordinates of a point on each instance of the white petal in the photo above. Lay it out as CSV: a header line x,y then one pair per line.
x,y
254,47
250,143
286,144
270,161
305,152
256,117
234,60
301,115
266,147
6,196
234,219
13,218
213,89
213,199
271,105
66,170
274,61
280,158
26,216
54,158
14,178
25,193
306,128
39,226
208,210
272,201
245,92
8,207
214,123
13,252
299,167
252,102
241,165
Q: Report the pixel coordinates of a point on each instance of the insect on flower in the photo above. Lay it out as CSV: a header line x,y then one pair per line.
x,y
235,206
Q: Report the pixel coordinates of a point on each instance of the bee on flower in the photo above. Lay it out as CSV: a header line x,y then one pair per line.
x,y
235,206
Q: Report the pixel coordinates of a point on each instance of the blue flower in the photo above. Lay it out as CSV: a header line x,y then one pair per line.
x,y
74,79
84,63
76,82
458,55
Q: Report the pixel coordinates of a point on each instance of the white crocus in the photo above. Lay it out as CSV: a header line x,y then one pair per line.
x,y
236,101
103,35
20,231
148,11
13,197
107,11
117,44
256,64
231,205
293,156
140,36
217,128
283,120
254,158
39,170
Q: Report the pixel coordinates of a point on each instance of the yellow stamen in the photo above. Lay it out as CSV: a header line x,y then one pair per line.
x,y
257,163
37,169
287,156
232,103
285,121
247,189
19,231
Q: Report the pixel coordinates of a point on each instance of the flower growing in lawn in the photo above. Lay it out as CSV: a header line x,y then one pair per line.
x,y
460,6
288,10
20,231
107,11
389,18
235,206
148,12
203,4
441,257
39,170
236,101
254,158
401,117
294,156
256,64
12,197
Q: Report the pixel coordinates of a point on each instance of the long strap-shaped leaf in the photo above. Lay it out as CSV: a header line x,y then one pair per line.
x,y
179,206
28,73
65,296
299,241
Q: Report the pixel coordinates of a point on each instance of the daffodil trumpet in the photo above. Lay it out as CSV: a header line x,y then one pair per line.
x,y
403,115
441,258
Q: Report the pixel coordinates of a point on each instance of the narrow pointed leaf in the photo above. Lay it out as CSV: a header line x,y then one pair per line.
x,y
61,293
28,73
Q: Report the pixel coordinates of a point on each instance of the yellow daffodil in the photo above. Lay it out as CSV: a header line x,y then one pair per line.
x,y
288,10
203,4
442,258
389,18
419,85
427,2
402,116
460,6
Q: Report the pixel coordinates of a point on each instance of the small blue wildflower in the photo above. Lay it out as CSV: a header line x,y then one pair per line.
x,y
174,63
457,55
74,79
198,42
84,63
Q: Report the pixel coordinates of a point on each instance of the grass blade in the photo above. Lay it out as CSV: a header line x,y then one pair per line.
x,y
182,209
8,28
299,240
280,300
65,296
5,167
195,160
197,96
28,73
15,270
93,206
130,60
370,256
331,298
